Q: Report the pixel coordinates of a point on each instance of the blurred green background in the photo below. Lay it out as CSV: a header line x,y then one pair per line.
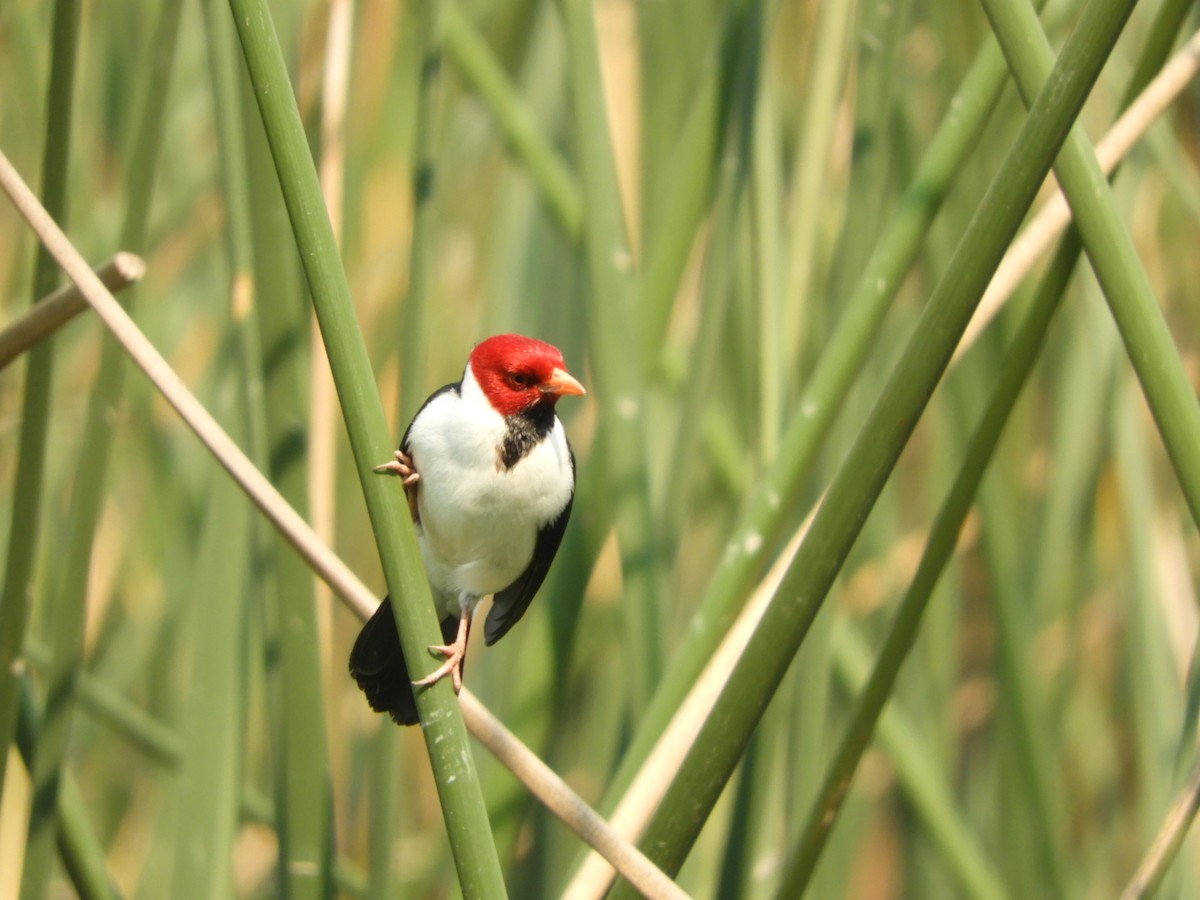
x,y
1043,722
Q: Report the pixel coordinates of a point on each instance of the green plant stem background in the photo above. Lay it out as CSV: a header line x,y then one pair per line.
x,y
756,229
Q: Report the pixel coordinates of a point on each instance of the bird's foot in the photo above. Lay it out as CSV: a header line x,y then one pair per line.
x,y
454,654
403,466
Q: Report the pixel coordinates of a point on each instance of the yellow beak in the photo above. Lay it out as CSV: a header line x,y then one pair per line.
x,y
561,382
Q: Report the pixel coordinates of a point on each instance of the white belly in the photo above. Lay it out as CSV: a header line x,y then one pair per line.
x,y
479,522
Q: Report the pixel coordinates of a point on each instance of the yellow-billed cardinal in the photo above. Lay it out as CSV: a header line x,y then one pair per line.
x,y
490,479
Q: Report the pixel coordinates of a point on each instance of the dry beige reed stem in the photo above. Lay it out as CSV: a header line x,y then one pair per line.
x,y
58,308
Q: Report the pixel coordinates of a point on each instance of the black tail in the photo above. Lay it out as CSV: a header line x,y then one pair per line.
x,y
377,664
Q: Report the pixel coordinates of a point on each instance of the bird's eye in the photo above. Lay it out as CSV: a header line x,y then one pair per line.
x,y
520,380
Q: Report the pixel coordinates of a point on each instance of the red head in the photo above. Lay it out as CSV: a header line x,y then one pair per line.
x,y
517,372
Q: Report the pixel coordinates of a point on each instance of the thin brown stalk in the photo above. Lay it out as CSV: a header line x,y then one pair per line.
x,y
323,410
595,876
558,797
1167,842
58,308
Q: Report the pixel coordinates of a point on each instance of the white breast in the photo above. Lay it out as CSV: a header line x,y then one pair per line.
x,y
479,522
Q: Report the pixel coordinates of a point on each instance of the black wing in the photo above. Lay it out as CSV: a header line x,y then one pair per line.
x,y
510,604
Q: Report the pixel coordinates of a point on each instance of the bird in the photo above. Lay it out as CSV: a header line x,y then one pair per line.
x,y
489,478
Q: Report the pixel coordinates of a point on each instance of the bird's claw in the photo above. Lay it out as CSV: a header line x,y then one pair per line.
x,y
403,466
452,666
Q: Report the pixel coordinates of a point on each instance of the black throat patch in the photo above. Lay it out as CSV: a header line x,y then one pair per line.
x,y
525,431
